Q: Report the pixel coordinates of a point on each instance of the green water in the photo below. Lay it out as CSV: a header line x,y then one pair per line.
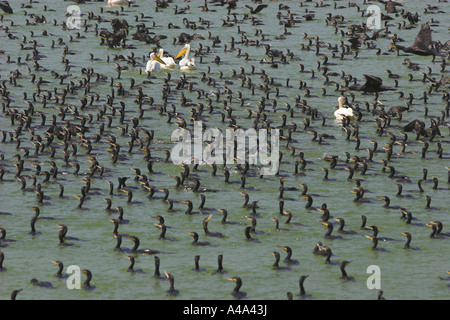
x,y
405,274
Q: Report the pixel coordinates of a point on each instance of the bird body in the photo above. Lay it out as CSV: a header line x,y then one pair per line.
x,y
343,112
117,2
154,64
169,62
186,63
372,84
236,291
422,43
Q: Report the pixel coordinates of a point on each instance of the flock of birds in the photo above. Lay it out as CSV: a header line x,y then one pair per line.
x,y
158,61
76,109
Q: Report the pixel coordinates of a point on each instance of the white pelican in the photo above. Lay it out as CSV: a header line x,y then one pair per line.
x,y
154,64
169,61
186,63
343,112
117,2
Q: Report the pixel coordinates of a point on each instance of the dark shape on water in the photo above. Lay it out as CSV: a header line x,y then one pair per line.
x,y
372,84
276,265
87,283
4,5
422,43
257,9
14,293
172,291
220,268
344,275
236,291
59,273
302,292
41,284
195,242
2,258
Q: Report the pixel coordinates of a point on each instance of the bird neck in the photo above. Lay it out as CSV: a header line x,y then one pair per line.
x,y
136,245
302,288
329,229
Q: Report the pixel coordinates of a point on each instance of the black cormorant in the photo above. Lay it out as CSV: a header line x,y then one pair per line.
x,y
375,244
131,266
220,268
328,234
276,265
277,225
373,84
328,254
363,223
136,246
2,258
41,284
195,242
342,225
387,203
344,275
422,43
162,235
375,234
248,236
253,227
236,291
289,218
225,216
157,273
439,227
172,291
14,294
197,264
87,283
209,233
433,234
408,241
59,273
189,208
257,9
119,243
33,228
288,259
302,292
62,235
319,249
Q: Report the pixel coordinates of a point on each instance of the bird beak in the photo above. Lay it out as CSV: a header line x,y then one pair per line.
x,y
181,53
158,59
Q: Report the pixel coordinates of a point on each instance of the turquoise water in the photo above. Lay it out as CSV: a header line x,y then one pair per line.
x,y
405,274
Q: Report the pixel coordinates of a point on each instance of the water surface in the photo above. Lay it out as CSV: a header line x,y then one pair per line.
x,y
405,274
